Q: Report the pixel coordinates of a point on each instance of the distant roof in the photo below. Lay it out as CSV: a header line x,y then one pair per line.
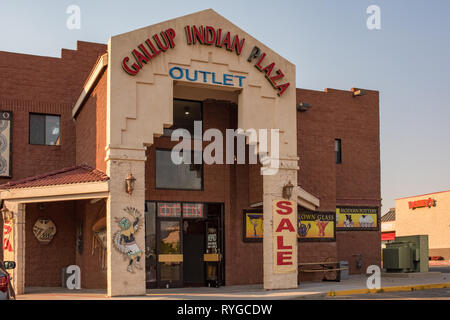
x,y
72,175
389,216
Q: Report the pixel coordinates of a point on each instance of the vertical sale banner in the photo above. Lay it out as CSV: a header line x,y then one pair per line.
x,y
284,236
8,242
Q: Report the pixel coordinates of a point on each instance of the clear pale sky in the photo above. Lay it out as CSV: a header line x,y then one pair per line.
x,y
408,61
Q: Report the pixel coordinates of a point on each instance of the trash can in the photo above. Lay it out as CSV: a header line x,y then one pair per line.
x,y
344,273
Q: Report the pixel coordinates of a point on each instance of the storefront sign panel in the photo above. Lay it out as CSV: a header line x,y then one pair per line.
x,y
316,226
422,203
202,76
284,236
150,48
357,218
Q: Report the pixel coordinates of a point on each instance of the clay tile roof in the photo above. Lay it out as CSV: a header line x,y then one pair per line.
x,y
76,174
389,216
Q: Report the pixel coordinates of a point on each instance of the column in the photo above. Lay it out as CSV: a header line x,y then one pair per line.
x,y
18,245
125,223
276,278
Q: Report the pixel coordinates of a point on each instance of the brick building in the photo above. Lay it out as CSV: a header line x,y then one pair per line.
x,y
87,154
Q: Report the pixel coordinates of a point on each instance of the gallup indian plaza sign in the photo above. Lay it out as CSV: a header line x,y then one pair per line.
x,y
151,48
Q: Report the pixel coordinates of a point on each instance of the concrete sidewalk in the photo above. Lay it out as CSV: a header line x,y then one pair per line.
x,y
356,284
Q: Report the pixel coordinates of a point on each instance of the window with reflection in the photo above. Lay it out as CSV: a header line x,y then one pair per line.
x,y
185,112
45,129
178,176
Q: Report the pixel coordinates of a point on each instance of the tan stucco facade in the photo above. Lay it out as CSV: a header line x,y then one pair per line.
x,y
140,106
433,220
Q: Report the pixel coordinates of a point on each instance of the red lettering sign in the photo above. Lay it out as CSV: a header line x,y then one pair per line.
x,y
285,236
422,203
205,35
260,56
163,41
283,257
285,206
280,245
285,224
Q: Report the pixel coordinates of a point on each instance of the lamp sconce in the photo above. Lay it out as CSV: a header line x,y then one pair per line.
x,y
302,106
359,93
287,190
129,183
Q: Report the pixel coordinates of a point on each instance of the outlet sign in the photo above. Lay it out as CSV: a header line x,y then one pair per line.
x,y
422,203
152,47
226,79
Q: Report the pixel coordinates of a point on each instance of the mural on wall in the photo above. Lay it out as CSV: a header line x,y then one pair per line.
x,y
125,241
5,143
44,230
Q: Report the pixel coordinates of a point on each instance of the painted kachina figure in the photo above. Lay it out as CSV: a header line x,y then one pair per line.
x,y
125,241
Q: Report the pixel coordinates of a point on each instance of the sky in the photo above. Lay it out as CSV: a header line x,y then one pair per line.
x,y
407,60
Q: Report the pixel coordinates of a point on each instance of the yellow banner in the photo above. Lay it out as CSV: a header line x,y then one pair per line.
x,y
353,217
284,236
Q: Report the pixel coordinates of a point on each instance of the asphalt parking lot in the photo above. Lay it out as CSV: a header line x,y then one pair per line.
x,y
433,294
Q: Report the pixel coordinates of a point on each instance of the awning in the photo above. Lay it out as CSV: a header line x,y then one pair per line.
x,y
74,183
388,236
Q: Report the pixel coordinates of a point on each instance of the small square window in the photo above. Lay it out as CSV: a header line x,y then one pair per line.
x,y
45,129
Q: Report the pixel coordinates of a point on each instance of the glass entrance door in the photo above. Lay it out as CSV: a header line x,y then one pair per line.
x,y
169,245
184,244
170,257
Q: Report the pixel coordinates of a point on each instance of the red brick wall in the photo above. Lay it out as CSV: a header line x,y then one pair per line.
x,y
91,128
356,182
228,184
39,84
44,262
93,276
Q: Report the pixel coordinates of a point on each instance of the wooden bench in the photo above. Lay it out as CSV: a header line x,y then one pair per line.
x,y
330,269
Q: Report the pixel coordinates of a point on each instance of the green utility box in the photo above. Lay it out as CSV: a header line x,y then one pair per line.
x,y
406,254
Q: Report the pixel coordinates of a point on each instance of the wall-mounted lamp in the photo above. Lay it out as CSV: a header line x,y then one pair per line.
x,y
287,190
129,183
302,106
358,93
